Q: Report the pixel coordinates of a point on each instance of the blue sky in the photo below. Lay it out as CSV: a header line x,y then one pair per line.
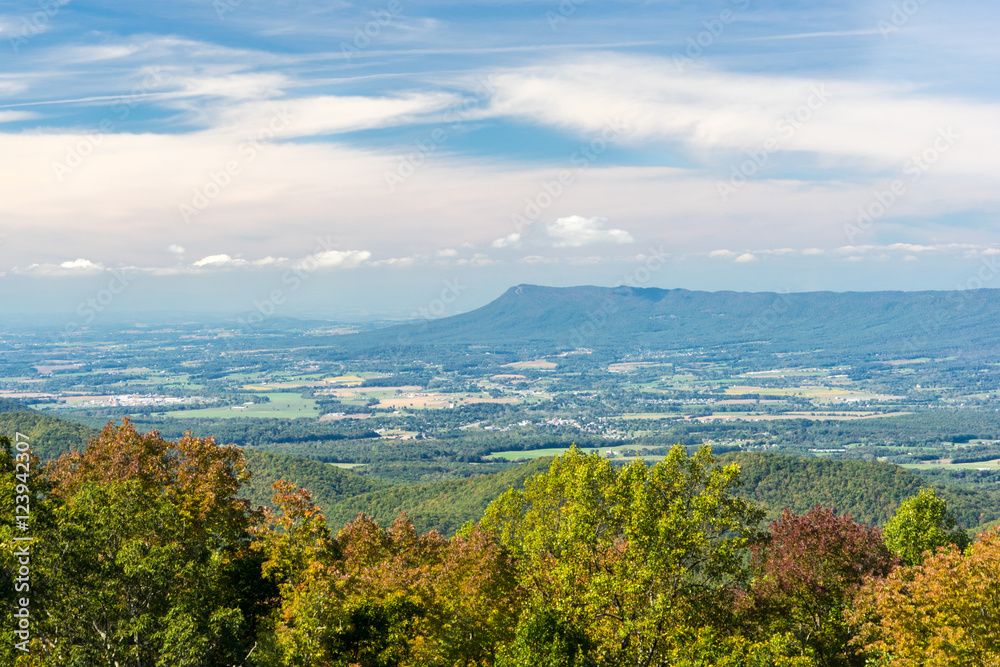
x,y
342,159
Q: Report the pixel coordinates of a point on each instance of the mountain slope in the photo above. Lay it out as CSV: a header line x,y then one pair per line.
x,y
328,483
870,491
530,317
444,506
49,437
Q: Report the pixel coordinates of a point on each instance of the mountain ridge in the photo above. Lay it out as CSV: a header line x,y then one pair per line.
x,y
559,319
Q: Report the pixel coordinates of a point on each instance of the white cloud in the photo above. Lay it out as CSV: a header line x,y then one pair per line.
x,y
270,261
722,253
712,111
538,259
813,251
576,230
15,116
395,261
478,259
746,257
219,261
911,247
446,252
81,264
510,240
70,267
175,249
329,259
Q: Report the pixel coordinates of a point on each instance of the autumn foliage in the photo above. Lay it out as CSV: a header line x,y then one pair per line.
x,y
945,612
147,555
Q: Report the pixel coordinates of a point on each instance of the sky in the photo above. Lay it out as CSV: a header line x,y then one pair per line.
x,y
401,159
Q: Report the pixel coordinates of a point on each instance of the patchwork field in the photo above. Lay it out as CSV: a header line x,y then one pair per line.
x,y
281,404
818,416
979,465
610,452
813,392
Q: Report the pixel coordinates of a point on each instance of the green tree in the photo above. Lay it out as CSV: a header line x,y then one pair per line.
x,y
148,560
922,525
629,557
545,639
382,597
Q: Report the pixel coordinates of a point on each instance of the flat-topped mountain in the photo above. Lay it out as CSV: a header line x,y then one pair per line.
x,y
887,324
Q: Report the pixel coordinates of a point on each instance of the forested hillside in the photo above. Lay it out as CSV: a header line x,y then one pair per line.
x,y
443,506
871,492
49,436
144,553
536,318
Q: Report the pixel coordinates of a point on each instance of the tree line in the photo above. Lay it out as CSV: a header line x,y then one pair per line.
x,y
145,553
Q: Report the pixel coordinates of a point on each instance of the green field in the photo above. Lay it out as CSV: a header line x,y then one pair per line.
x,y
281,405
990,465
517,454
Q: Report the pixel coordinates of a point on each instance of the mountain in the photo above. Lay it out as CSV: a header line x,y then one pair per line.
x,y
532,318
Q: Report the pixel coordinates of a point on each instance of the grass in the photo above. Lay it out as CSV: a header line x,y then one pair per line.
x,y
817,415
829,393
515,455
281,405
991,465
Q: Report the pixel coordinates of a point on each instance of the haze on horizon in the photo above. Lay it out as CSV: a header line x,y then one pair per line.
x,y
364,159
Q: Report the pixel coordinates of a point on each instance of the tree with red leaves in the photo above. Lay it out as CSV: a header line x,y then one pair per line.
x,y
806,574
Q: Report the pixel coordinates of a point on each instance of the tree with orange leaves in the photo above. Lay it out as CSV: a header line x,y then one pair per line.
x,y
945,612
148,559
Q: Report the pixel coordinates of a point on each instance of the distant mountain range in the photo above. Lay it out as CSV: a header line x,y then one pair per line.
x,y
550,319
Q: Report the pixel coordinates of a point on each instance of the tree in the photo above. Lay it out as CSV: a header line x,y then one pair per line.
x,y
921,525
945,612
383,597
627,557
147,561
21,488
546,639
806,574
